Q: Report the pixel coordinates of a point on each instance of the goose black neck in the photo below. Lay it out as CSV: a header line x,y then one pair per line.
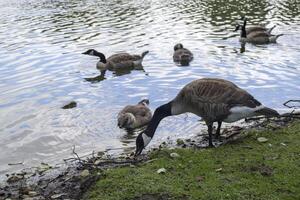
x,y
243,33
160,113
101,56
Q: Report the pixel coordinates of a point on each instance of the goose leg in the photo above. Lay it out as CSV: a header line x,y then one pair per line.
x,y
218,129
210,129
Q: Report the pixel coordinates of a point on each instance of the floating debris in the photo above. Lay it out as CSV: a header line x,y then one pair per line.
x,y
70,105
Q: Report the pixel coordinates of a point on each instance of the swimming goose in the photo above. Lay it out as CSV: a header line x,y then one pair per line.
x,y
135,116
257,37
117,61
214,100
182,55
256,28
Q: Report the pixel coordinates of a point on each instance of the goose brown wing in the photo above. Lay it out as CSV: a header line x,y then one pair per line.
x,y
120,57
213,98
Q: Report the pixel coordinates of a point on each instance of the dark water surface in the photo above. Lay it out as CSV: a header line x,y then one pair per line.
x,y
42,69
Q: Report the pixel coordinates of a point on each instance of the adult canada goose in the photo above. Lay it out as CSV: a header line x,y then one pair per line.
x,y
182,55
215,100
257,37
135,116
256,28
117,61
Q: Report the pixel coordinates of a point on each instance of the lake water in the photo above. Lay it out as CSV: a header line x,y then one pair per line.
x,y
42,68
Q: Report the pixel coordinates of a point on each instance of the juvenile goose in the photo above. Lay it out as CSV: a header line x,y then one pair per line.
x,y
215,100
117,61
135,116
257,37
182,55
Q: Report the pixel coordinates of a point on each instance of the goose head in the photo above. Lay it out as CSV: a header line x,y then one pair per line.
x,y
144,102
237,27
93,52
178,46
126,120
142,141
90,52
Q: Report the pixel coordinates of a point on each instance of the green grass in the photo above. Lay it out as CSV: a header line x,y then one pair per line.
x,y
250,170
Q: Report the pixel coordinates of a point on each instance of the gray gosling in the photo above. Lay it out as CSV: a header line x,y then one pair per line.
x,y
135,116
212,99
117,61
182,55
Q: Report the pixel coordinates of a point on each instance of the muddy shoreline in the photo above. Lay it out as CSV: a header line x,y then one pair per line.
x,y
73,178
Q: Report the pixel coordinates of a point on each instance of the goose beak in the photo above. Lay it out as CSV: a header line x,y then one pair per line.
x,y
138,151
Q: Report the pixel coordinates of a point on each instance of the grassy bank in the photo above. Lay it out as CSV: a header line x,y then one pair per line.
x,y
244,169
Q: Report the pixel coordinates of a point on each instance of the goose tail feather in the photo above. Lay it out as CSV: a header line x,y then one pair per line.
x,y
269,112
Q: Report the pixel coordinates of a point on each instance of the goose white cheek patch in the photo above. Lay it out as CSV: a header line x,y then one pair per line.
x,y
146,139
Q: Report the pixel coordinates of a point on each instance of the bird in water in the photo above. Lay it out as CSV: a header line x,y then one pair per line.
x,y
258,37
182,55
119,61
253,29
135,116
214,100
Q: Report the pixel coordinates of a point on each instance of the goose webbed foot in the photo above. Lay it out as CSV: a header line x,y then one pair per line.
x,y
218,130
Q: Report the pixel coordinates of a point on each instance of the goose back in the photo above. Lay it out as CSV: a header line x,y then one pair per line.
x,y
141,113
211,99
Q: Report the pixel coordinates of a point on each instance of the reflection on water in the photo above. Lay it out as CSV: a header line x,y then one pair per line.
x,y
42,68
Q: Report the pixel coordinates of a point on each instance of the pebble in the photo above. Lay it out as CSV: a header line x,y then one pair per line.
x,y
85,173
262,139
174,155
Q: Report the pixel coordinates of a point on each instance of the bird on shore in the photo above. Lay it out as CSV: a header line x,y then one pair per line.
x,y
258,37
182,55
135,116
214,100
117,61
256,28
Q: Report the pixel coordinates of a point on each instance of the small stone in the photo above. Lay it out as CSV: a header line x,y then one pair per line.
x,y
32,193
161,171
283,144
56,196
262,139
85,173
97,162
174,155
